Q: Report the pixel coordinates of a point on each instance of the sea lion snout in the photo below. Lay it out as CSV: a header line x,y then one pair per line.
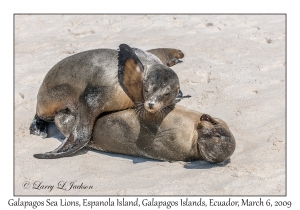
x,y
153,105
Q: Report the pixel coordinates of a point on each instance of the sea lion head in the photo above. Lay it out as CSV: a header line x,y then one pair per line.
x,y
153,86
160,87
215,141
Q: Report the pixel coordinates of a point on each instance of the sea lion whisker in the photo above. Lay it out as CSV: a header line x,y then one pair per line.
x,y
145,112
136,111
139,111
163,113
139,105
158,113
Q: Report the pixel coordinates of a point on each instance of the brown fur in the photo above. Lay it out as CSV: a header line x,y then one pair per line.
x,y
133,79
180,135
169,57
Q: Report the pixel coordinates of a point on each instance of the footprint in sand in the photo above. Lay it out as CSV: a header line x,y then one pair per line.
x,y
82,34
193,76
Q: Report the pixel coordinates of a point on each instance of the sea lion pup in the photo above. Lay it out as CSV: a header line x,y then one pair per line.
x,y
181,135
89,83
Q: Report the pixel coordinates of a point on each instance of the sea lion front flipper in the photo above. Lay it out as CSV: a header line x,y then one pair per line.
x,y
130,73
83,125
168,56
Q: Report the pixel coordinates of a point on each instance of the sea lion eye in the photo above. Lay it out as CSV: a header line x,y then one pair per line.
x,y
146,90
217,135
167,94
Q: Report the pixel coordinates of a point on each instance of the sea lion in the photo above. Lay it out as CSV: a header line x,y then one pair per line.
x,y
180,135
89,83
174,133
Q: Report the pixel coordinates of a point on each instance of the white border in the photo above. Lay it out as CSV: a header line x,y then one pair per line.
x,y
153,6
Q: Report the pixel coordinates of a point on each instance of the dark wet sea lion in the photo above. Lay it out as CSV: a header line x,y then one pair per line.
x,y
89,83
180,135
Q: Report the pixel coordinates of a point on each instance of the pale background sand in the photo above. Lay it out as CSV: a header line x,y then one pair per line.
x,y
229,68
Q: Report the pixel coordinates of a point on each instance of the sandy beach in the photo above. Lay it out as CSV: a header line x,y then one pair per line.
x,y
234,69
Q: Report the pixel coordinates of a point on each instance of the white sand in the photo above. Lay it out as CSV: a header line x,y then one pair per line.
x,y
229,68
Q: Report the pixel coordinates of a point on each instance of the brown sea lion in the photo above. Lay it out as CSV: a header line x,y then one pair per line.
x,y
89,83
179,134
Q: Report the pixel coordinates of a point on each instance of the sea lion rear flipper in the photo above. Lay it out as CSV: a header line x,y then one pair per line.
x,y
68,147
168,56
181,96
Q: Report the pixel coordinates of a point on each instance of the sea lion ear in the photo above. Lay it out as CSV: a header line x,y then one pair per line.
x,y
130,73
